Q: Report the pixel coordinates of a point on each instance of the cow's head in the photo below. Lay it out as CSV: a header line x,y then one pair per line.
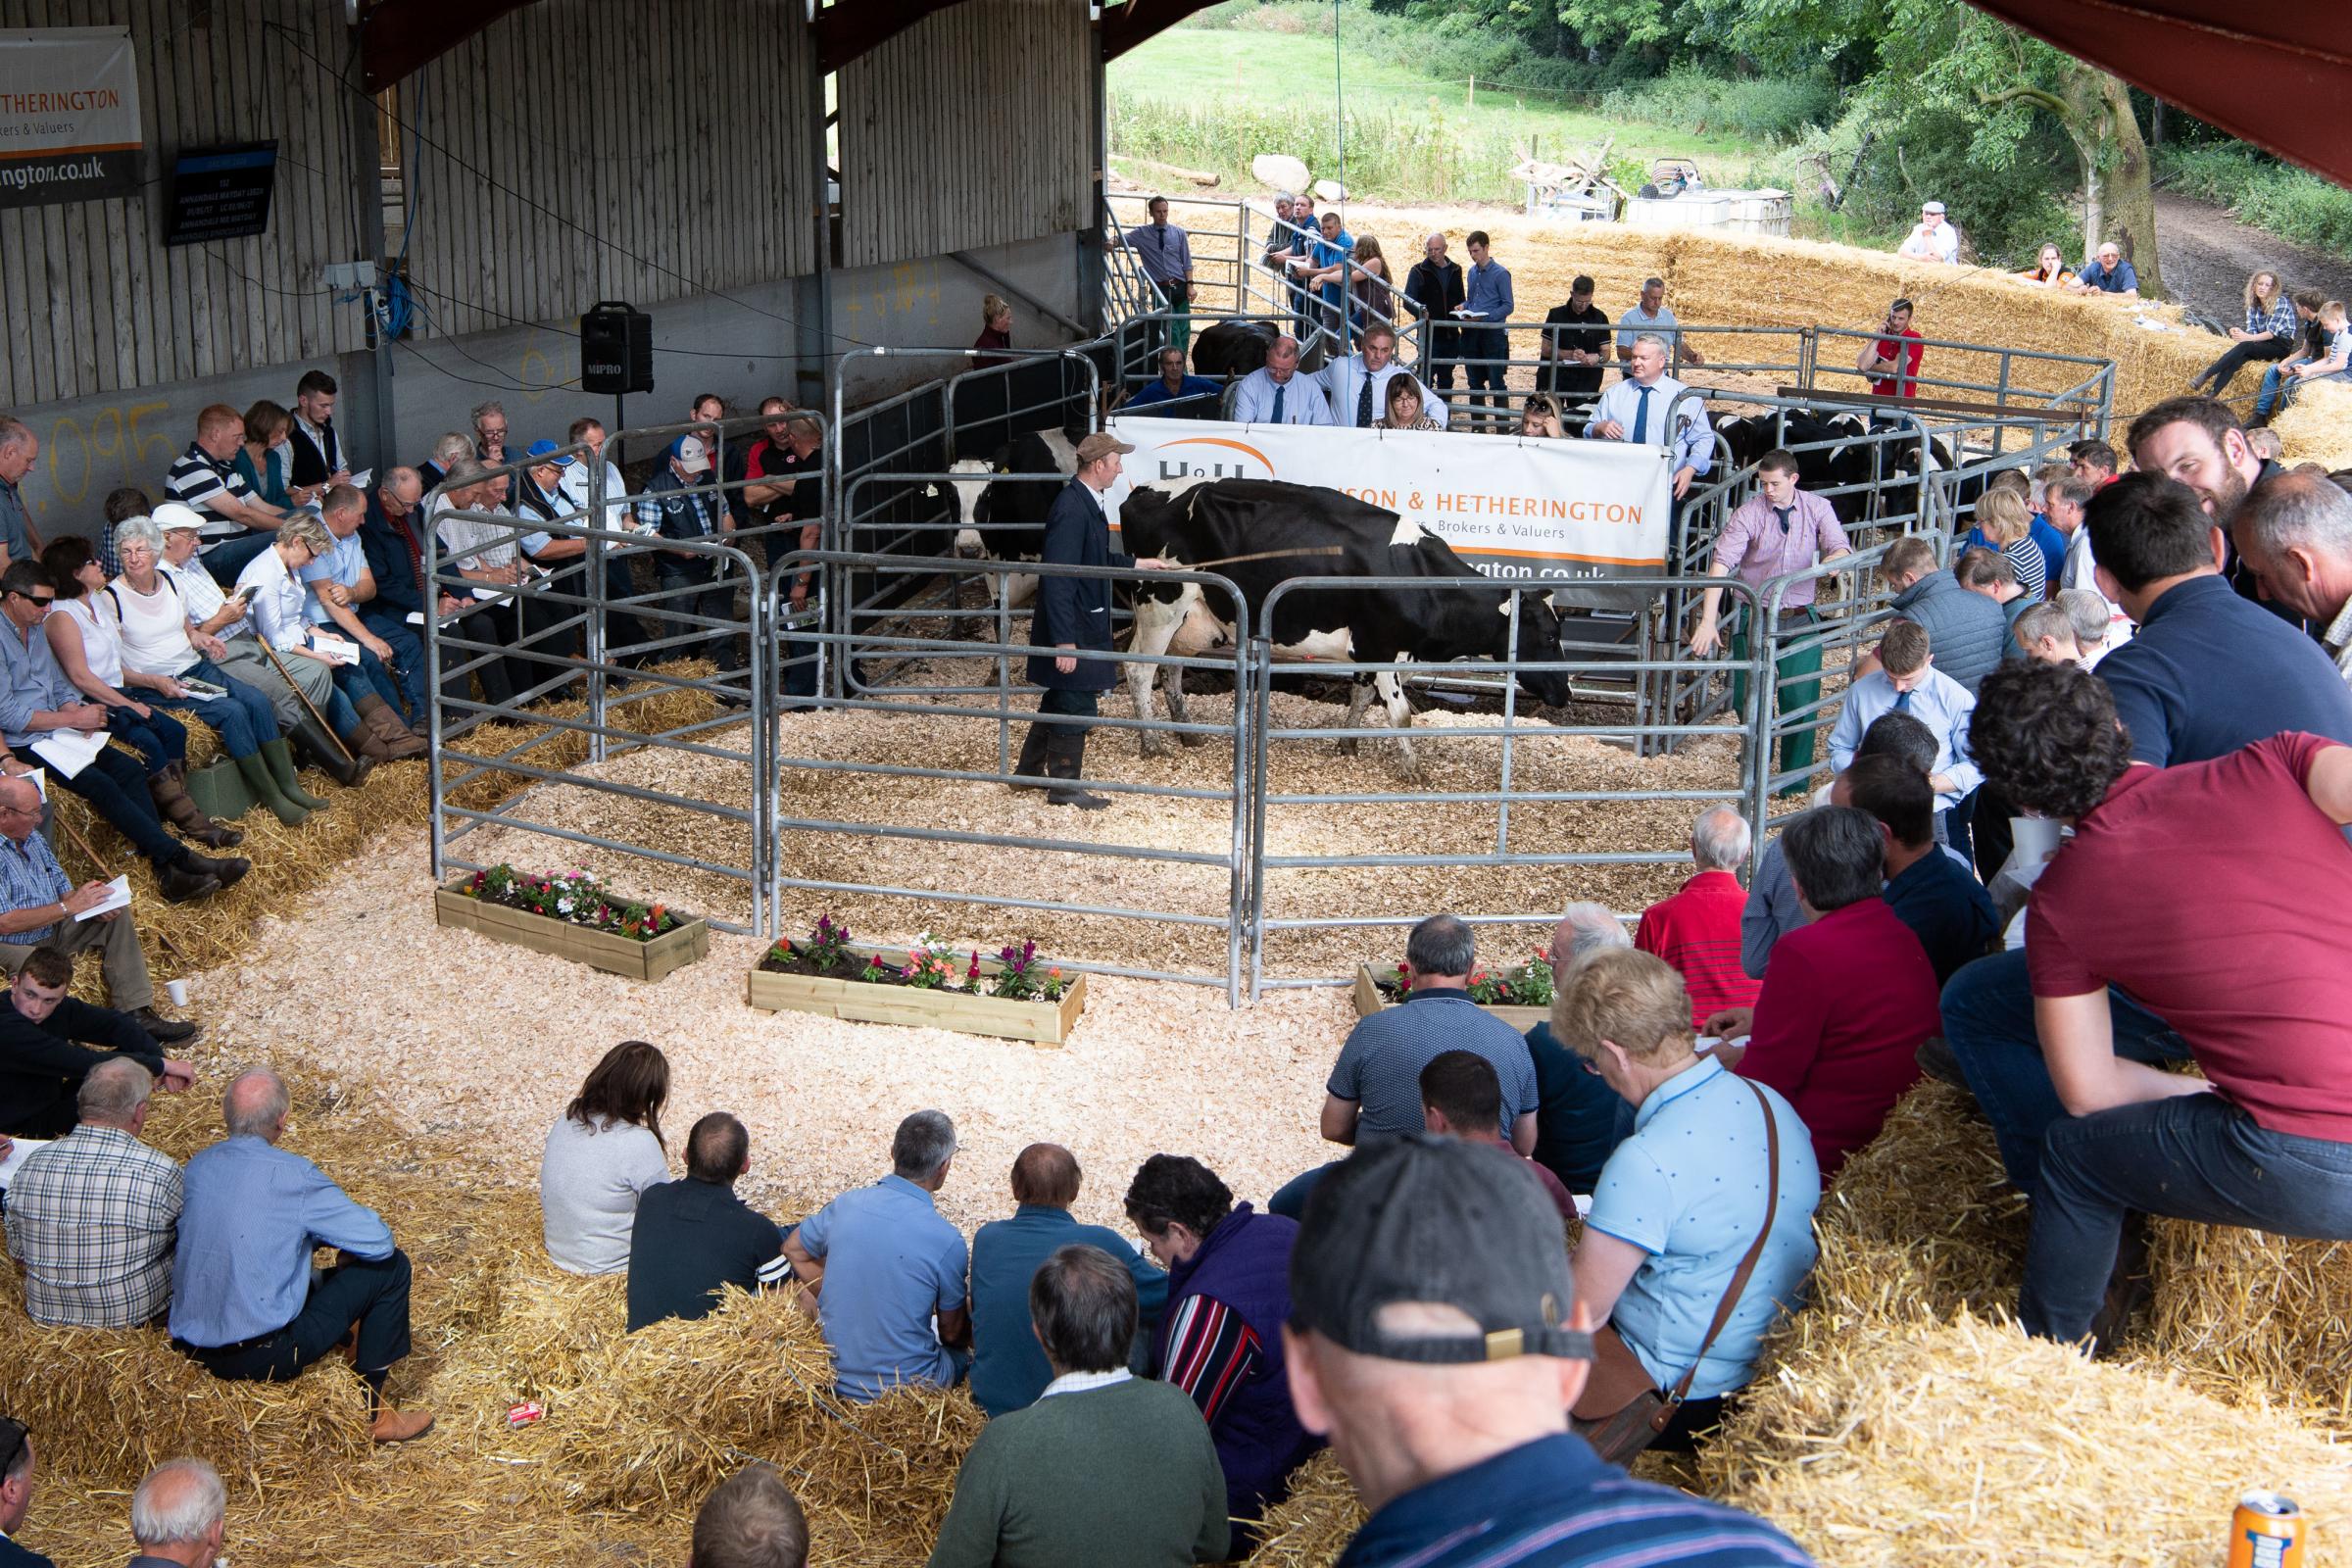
x,y
1145,520
968,494
1540,643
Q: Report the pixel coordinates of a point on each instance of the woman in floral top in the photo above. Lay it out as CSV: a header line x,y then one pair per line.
x,y
1404,407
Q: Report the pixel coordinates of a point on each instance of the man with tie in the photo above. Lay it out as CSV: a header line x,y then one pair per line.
x,y
1778,530
1166,252
1907,681
1359,385
1640,408
1276,394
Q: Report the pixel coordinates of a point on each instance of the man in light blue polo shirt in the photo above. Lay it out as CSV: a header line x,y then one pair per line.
x,y
884,1265
1680,1202
391,665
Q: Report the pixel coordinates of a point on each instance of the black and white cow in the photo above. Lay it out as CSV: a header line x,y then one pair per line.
x,y
1232,349
999,507
1213,520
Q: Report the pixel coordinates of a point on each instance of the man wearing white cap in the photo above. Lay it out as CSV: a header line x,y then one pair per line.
x,y
1933,240
681,502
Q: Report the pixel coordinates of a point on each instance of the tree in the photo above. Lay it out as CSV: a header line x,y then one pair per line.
x,y
2094,109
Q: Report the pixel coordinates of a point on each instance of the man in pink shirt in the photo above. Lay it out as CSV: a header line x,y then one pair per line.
x,y
2217,896
1778,530
1848,1000
1697,929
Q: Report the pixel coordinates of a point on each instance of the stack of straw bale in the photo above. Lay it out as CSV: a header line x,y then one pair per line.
x,y
1311,1527
2249,1317
1927,1443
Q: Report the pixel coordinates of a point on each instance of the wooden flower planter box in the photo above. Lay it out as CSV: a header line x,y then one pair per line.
x,y
1045,1023
672,950
1369,1001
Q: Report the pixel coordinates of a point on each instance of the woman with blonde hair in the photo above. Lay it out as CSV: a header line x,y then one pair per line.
x,y
2003,525
996,328
1369,297
2269,333
1541,416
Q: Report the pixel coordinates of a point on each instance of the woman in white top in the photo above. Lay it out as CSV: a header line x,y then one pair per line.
x,y
299,693
89,648
272,584
603,1152
162,649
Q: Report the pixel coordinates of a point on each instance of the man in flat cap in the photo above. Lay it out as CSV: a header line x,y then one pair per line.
x,y
1435,1339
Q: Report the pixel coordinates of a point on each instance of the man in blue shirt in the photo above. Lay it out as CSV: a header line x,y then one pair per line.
x,y
2106,273
1907,681
1009,1365
1945,906
391,667
1435,1256
1275,393
244,1304
1167,254
883,1265
1641,408
1487,346
1329,254
1175,395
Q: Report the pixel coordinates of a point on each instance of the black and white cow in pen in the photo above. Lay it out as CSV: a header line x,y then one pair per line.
x,y
1212,521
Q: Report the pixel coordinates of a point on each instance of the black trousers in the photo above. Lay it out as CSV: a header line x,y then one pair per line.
x,y
117,789
1077,705
2222,371
371,1292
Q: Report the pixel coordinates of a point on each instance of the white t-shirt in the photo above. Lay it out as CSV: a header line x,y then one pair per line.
x,y
1941,246
589,1182
2081,573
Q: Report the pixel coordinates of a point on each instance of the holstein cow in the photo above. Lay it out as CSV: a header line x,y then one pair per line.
x,y
996,516
1215,519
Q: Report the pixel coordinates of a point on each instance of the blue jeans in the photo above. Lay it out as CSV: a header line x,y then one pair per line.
x,y
1989,1022
406,670
224,561
159,739
1291,1200
116,791
242,720
2192,1156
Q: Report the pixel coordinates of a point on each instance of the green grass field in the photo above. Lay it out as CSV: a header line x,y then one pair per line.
x,y
1212,98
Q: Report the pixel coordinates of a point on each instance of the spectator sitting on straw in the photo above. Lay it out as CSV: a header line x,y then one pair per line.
x,y
245,1304
1578,1119
1945,906
2106,272
1221,1340
2157,881
602,1155
1932,239
1438,1343
1773,910
1102,1457
1847,999
887,1271
750,1520
49,1042
39,906
2294,534
1461,1098
177,1516
1696,930
2267,445
1373,1089
271,584
337,583
1009,1365
1994,574
2046,633
692,1238
16,1465
1682,1201
1908,681
91,1217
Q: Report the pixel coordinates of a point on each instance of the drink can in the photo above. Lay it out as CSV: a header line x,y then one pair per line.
x,y
2266,1532
530,1410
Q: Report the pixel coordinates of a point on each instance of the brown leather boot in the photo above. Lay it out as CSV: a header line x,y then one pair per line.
x,y
398,1426
399,741
172,805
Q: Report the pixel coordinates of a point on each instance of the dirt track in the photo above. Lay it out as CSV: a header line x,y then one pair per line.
x,y
2207,256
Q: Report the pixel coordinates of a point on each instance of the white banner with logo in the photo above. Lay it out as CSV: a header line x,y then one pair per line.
x,y
1561,511
68,114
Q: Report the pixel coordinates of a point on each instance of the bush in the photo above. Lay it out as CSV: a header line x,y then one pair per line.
x,y
2261,190
1756,109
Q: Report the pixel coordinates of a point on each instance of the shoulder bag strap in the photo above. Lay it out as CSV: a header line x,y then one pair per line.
x,y
1755,1250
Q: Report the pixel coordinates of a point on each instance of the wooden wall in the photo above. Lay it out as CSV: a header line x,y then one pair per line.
x,y
94,302
675,136
975,127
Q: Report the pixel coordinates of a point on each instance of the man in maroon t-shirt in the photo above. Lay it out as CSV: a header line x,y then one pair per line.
x,y
2219,894
1884,360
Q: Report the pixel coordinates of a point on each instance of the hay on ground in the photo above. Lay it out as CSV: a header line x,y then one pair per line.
x,y
1922,1445
2250,1316
1313,1526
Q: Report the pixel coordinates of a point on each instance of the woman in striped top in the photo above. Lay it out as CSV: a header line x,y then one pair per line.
x,y
2269,334
2002,525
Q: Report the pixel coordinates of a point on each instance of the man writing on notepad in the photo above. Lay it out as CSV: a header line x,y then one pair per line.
x,y
40,907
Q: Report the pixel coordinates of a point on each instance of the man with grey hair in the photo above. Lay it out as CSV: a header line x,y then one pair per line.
x,y
1154,1483
750,1520
19,447
245,1304
2295,533
16,1466
1580,1120
177,1515
490,433
887,1271
1642,409
1374,1092
1697,929
91,1216
1275,393
42,906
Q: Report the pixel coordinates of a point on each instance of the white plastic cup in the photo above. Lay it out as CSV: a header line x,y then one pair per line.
x,y
177,991
2036,838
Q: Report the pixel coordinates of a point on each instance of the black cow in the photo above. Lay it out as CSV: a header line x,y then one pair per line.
x,y
1215,519
1232,348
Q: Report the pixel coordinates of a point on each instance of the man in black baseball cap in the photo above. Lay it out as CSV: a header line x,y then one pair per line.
x,y
1435,1339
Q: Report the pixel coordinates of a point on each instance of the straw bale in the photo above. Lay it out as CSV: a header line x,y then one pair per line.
x,y
2250,1316
886,1469
1922,1444
107,1406
2317,426
1924,1219
1313,1526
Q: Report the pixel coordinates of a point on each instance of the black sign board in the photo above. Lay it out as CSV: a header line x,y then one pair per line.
x,y
221,192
